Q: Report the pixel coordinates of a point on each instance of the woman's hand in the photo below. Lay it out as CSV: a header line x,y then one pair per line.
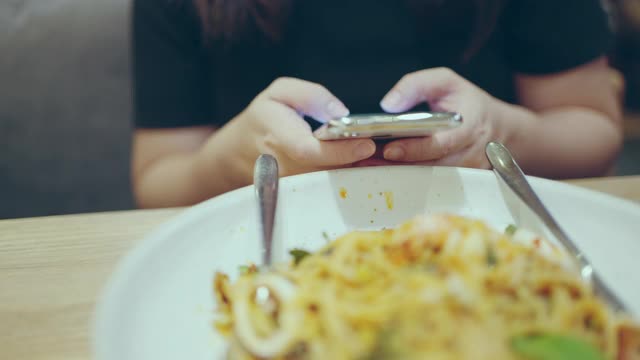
x,y
444,90
183,166
273,124
567,125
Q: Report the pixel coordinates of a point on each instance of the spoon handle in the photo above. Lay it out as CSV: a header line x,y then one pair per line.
x,y
265,179
508,170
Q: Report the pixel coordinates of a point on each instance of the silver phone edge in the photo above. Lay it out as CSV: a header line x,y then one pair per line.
x,y
346,130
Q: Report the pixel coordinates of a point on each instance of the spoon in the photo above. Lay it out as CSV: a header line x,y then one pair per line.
x,y
265,180
508,170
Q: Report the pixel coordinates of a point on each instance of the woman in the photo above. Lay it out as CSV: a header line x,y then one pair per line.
x,y
217,82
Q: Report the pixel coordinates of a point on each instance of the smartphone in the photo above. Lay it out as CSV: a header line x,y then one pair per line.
x,y
388,126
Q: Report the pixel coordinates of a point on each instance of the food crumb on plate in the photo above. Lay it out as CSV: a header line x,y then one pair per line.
x,y
343,193
388,197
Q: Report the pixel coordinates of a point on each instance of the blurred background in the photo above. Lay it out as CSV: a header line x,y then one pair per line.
x,y
65,107
65,103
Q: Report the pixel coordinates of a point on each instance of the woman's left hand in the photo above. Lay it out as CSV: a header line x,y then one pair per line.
x,y
444,90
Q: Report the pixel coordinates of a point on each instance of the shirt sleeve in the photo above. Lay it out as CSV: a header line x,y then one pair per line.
x,y
171,74
548,36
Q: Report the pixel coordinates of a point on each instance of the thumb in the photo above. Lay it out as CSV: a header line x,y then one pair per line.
x,y
307,98
430,85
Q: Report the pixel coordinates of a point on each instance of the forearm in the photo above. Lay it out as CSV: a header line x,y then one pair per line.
x,y
188,177
168,182
563,142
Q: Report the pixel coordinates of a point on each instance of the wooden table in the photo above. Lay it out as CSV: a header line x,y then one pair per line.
x,y
52,270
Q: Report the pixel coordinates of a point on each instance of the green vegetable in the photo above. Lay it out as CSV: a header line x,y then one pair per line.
x,y
386,346
298,255
554,347
492,258
510,230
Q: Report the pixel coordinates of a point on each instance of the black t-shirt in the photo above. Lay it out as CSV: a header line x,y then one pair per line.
x,y
358,49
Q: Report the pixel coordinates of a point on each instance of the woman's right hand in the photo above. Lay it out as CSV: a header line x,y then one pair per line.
x,y
273,124
183,166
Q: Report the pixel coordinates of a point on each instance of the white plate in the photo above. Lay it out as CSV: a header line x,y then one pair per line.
x,y
158,304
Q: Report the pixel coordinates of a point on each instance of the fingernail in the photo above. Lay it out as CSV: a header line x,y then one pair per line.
x,y
337,109
394,153
363,150
391,100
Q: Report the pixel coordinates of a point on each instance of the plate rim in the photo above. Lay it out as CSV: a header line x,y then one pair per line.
x,y
100,323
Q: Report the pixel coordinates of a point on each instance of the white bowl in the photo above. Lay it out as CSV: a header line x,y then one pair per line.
x,y
159,302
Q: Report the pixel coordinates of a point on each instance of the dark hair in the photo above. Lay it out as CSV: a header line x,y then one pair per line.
x,y
228,20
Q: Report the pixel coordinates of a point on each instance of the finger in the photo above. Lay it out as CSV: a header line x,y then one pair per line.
x,y
306,97
456,159
374,162
471,157
295,138
431,85
431,147
317,153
